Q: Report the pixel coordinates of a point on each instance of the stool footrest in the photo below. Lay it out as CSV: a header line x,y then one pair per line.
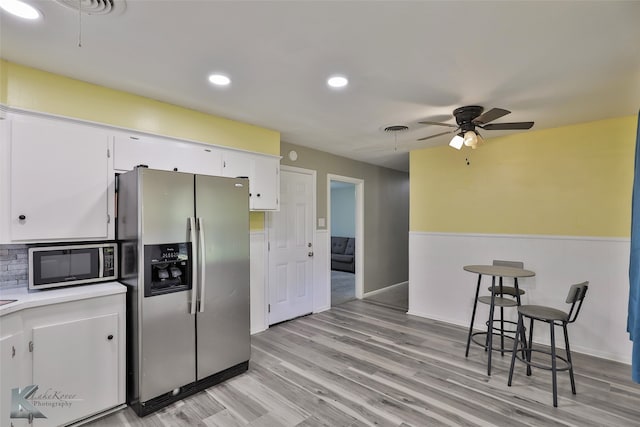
x,y
506,331
506,349
498,301
566,366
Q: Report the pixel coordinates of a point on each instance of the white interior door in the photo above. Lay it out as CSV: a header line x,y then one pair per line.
x,y
291,248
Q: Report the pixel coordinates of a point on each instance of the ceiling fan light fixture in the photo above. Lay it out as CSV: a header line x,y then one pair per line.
x,y
457,142
470,138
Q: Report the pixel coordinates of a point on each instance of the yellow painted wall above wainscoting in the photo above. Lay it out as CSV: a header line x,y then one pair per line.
x,y
37,90
572,181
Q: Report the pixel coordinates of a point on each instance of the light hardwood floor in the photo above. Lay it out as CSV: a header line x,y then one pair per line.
x,y
364,364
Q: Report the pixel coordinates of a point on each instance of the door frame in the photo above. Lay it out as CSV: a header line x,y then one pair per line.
x,y
269,230
359,213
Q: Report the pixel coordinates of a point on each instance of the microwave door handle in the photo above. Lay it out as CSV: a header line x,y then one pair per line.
x,y
203,264
194,271
100,262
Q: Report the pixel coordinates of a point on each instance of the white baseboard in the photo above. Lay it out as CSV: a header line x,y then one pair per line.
x,y
386,288
321,309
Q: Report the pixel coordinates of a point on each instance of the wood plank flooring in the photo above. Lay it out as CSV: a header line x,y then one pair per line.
x,y
362,364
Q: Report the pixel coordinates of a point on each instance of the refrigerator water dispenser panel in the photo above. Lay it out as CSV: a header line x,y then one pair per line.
x,y
167,268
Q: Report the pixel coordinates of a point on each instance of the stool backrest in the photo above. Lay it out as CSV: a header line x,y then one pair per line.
x,y
514,264
575,297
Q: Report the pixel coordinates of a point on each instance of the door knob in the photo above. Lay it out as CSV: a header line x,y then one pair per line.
x,y
310,254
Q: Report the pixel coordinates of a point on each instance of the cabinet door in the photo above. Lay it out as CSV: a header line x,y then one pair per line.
x,y
131,151
59,181
202,160
266,183
236,164
12,359
164,154
75,366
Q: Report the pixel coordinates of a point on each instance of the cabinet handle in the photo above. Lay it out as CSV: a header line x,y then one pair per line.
x,y
22,217
110,337
13,352
258,194
175,169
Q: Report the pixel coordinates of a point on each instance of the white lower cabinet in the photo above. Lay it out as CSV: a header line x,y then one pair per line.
x,y
75,366
12,357
73,352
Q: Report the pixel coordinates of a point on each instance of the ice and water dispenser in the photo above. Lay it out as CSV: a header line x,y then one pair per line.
x,y
167,268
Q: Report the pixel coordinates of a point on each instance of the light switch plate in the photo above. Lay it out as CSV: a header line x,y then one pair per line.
x,y
321,222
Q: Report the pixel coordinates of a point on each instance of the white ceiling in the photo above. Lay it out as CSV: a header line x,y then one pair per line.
x,y
552,62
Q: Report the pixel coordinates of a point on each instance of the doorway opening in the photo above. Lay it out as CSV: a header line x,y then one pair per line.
x,y
345,225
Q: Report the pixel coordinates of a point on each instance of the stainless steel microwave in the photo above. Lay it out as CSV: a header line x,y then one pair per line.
x,y
54,266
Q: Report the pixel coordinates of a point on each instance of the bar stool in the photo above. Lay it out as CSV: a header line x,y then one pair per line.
x,y
500,292
553,317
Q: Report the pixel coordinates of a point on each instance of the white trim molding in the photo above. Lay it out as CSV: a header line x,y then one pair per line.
x,y
359,184
386,288
257,273
322,272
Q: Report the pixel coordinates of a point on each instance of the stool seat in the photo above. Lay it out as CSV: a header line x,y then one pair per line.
x,y
498,301
543,313
508,290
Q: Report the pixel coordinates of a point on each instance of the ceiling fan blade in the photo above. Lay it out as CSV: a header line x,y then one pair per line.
x,y
491,115
508,126
433,136
426,122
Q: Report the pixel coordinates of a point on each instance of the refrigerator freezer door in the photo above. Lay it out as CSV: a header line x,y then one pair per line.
x,y
223,326
167,332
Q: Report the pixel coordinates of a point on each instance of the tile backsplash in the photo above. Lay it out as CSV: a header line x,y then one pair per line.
x,y
14,266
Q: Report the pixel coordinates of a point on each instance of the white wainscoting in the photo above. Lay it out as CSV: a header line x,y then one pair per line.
x,y
440,289
321,272
258,278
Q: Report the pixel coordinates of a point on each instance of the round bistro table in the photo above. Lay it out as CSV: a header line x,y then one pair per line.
x,y
500,272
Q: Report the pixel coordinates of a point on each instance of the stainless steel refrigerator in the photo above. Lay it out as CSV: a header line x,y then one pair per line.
x,y
185,259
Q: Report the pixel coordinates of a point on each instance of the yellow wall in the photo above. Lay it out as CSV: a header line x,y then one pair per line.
x,y
574,181
36,90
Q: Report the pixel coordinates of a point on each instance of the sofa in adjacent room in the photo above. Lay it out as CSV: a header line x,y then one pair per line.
x,y
343,250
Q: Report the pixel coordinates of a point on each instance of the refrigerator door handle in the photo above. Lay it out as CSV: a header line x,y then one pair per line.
x,y
194,271
203,264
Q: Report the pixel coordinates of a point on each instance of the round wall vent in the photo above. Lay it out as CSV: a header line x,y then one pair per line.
x,y
94,7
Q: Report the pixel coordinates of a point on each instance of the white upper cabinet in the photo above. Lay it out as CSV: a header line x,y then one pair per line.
x,y
263,173
165,154
59,182
265,186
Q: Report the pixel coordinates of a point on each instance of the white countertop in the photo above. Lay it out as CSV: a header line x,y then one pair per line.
x,y
25,299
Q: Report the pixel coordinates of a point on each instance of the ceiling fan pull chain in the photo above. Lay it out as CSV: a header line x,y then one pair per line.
x,y
79,23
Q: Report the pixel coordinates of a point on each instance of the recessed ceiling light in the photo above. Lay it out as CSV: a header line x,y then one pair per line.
x,y
20,9
337,81
219,79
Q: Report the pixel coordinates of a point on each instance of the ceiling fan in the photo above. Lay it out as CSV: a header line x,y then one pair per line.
x,y
471,117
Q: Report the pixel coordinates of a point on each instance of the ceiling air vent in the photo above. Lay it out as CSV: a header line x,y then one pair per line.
x,y
94,7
